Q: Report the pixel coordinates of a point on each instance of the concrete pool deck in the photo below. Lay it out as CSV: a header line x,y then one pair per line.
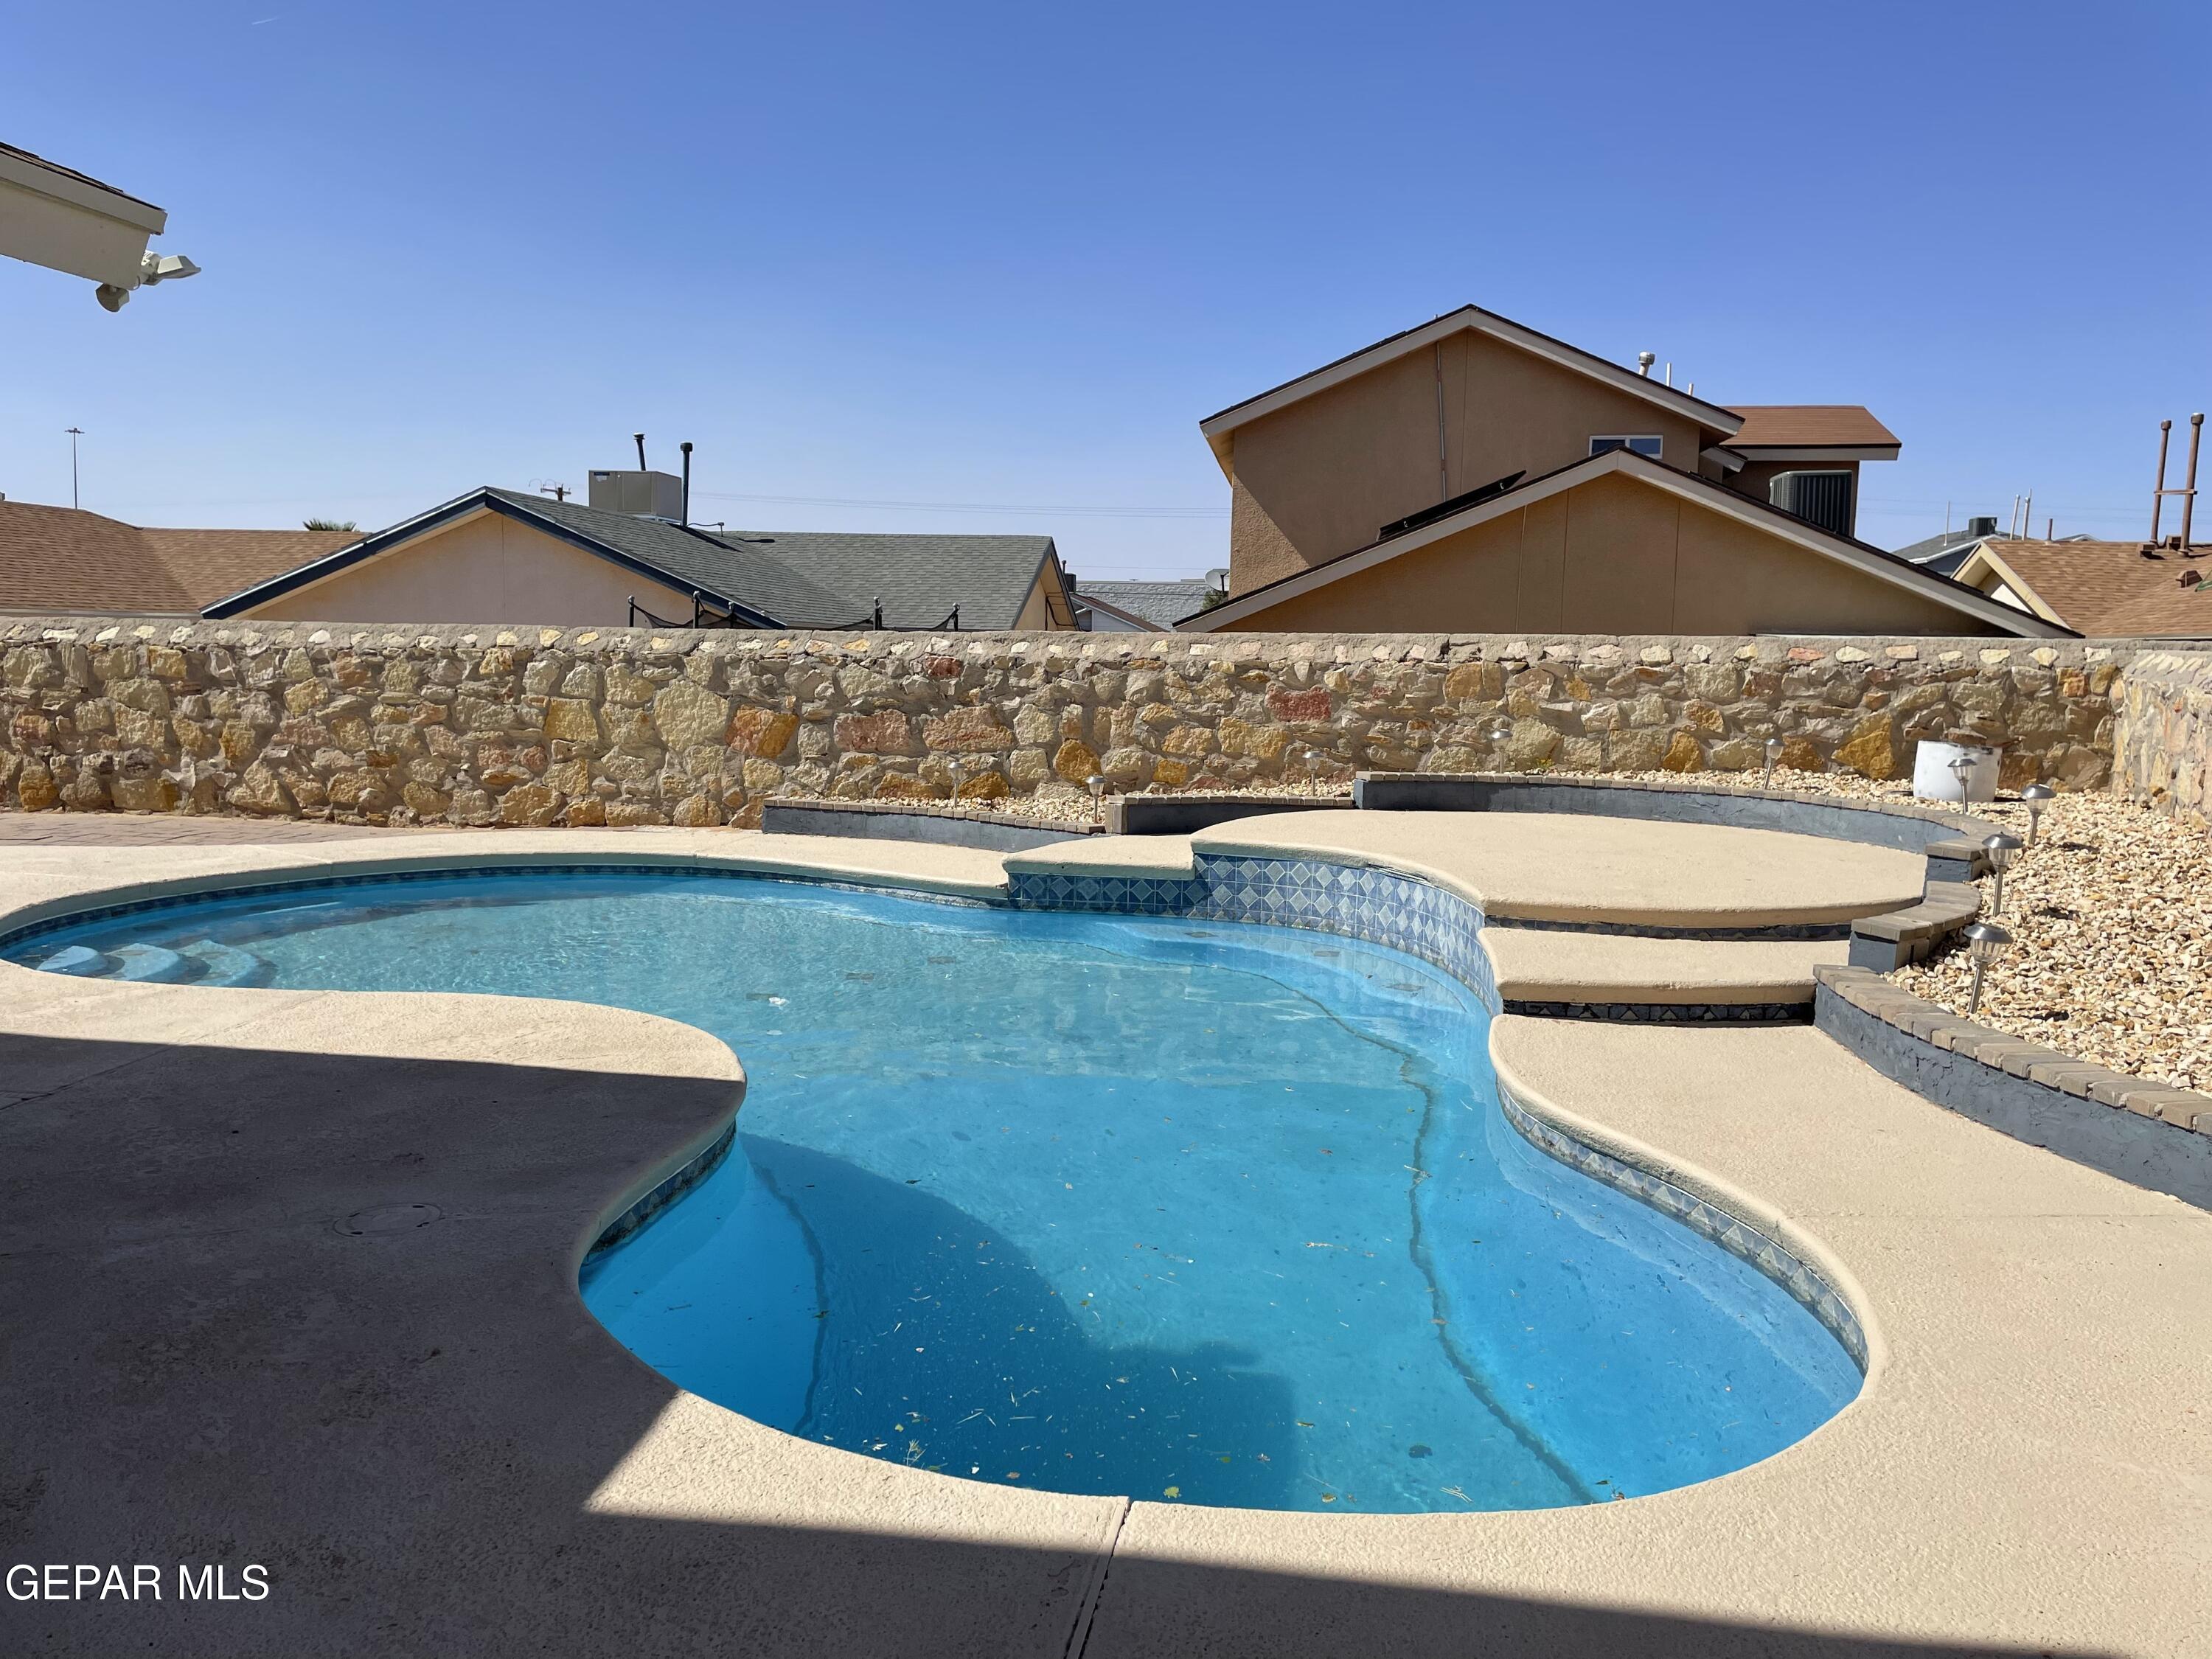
x,y
291,1279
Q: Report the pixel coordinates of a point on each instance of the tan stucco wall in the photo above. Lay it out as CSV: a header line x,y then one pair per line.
x,y
1614,556
1320,477
486,566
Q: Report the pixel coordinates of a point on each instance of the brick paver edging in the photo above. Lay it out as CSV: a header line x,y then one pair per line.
x,y
2146,1132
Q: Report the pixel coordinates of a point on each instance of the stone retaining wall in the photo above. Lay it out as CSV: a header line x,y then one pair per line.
x,y
517,725
2163,735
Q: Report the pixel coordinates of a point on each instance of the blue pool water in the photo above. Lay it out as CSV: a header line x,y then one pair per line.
x,y
1209,1212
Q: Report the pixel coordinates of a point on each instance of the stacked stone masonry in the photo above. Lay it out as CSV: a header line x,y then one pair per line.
x,y
2164,734
505,725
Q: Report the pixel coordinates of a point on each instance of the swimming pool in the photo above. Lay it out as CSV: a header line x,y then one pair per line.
x,y
1207,1212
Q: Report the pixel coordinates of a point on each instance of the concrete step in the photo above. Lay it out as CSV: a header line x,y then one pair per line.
x,y
1535,965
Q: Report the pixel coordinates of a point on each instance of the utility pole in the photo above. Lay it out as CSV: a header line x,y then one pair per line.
x,y
75,433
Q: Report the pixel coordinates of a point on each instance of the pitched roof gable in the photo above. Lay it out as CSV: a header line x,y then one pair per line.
x,y
767,580
2100,587
1871,560
1218,427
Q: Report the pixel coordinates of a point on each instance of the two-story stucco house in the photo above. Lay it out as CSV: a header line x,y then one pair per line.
x,y
1474,474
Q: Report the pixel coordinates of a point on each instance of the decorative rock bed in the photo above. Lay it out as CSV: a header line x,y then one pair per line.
x,y
2147,1133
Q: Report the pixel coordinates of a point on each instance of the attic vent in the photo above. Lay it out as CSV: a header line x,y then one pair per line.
x,y
1820,498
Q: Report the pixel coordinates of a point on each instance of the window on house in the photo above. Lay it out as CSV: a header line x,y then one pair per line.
x,y
1641,446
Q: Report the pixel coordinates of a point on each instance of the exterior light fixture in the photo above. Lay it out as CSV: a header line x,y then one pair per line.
x,y
1313,769
1500,729
1962,767
2001,848
1773,754
959,778
2035,798
1098,798
1985,943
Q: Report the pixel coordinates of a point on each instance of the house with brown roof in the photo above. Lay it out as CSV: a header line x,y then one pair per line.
x,y
60,561
1475,474
2107,588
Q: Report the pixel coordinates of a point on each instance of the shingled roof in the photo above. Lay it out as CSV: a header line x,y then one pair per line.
x,y
61,560
1810,426
770,579
2108,588
919,578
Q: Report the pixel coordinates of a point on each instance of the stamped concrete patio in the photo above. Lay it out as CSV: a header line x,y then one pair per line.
x,y
291,1278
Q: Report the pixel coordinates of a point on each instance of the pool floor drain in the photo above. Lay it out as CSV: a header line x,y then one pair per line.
x,y
389,1219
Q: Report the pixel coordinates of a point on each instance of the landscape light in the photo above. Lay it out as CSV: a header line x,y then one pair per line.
x,y
959,778
1313,769
1960,765
1098,798
1985,942
1773,754
2034,797
2001,848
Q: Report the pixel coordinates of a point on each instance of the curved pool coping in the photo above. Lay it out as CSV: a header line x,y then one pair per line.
x,y
1430,1548
1322,891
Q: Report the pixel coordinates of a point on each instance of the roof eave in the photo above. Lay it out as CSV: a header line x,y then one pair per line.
x,y
484,499
1710,417
1873,561
1816,451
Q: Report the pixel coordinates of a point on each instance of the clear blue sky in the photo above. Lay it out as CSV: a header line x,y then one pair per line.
x,y
1006,256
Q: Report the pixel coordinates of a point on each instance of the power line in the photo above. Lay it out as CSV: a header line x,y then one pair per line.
x,y
967,507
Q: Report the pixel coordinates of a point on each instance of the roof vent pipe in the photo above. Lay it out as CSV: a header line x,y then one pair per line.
x,y
1644,362
686,447
640,436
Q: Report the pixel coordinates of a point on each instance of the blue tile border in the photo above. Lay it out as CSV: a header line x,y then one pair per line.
x,y
1740,1239
668,1190
1379,907
245,886
1403,913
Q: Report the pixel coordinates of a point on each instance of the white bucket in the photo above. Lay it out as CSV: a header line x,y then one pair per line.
x,y
1933,778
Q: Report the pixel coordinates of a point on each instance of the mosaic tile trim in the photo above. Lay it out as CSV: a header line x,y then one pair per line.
x,y
1739,1238
36,930
1378,906
665,1193
1795,930
1668,1013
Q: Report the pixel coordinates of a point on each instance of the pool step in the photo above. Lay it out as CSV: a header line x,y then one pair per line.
x,y
226,965
1541,971
151,965
78,961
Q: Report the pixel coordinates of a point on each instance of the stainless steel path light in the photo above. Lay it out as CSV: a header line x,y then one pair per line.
x,y
959,778
1500,729
1098,798
2001,848
1313,770
2035,798
1773,754
1962,767
1985,943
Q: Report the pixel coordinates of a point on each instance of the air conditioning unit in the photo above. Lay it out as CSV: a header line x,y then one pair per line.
x,y
640,494
1820,498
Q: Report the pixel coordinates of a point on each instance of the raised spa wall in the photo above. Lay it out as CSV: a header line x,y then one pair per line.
x,y
505,725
